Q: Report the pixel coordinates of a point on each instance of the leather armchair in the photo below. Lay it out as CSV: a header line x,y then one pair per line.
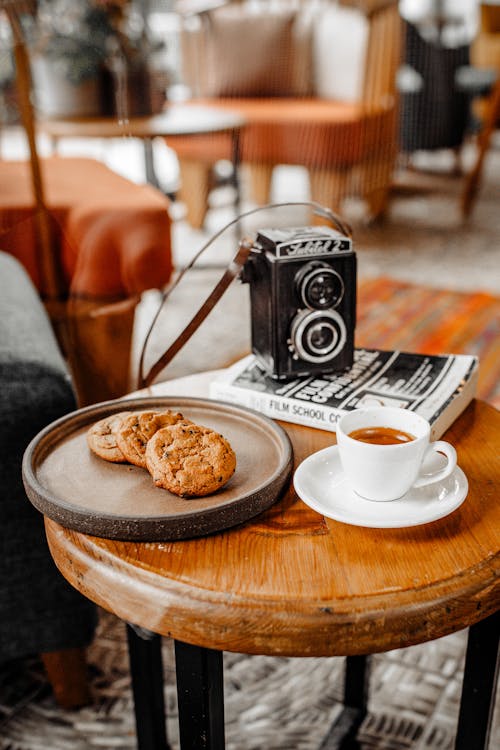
x,y
91,240
317,87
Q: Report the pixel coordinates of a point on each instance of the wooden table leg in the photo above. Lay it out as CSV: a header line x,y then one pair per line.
x,y
479,685
200,694
472,180
146,669
98,346
342,733
67,673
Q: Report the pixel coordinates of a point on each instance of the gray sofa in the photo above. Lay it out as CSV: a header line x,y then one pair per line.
x,y
39,611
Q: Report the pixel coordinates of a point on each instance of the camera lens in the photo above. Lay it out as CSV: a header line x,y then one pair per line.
x,y
319,286
321,337
317,336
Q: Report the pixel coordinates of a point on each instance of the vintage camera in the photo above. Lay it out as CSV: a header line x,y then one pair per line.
x,y
303,300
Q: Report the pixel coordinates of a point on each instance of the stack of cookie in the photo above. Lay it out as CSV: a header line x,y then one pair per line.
x,y
183,457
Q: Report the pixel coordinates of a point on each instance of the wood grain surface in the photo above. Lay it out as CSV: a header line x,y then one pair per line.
x,y
291,582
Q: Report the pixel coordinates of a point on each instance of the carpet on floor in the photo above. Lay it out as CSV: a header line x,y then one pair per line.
x,y
286,703
396,315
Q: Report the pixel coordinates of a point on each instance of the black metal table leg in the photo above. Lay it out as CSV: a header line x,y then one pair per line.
x,y
479,685
236,159
342,733
357,682
200,693
146,669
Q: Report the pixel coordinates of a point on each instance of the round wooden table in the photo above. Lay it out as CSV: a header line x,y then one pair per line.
x,y
177,119
291,582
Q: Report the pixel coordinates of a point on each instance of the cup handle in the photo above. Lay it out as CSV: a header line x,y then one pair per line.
x,y
449,451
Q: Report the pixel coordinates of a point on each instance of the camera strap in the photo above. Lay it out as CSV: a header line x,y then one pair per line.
x,y
224,282
233,269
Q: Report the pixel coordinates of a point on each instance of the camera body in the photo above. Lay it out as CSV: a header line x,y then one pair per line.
x,y
303,300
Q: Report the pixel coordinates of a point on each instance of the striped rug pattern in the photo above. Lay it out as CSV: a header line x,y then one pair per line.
x,y
396,315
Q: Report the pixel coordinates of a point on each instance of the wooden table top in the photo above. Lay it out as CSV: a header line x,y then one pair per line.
x,y
291,582
177,119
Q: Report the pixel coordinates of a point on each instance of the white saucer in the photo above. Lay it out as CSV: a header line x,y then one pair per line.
x,y
320,482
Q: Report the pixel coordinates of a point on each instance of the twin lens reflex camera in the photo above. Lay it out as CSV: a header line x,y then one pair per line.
x,y
303,300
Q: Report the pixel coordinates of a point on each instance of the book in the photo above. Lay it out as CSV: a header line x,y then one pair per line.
x,y
438,387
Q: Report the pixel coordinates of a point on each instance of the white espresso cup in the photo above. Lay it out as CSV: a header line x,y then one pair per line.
x,y
387,472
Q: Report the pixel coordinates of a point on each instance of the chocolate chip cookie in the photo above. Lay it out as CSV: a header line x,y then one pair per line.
x,y
101,438
139,427
189,460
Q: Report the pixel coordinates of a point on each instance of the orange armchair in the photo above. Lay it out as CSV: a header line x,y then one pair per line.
x,y
301,108
110,241
92,242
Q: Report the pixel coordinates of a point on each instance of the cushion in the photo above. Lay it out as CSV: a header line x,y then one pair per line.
x,y
113,235
40,611
122,251
307,131
25,329
340,38
248,51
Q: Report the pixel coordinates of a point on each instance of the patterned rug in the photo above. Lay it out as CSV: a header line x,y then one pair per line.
x,y
270,703
283,703
395,315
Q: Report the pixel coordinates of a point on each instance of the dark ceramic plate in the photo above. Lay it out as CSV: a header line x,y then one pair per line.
x,y
74,487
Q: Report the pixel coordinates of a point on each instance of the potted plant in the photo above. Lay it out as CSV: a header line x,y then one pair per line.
x,y
80,48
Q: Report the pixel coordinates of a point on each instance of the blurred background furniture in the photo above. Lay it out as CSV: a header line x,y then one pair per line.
x,y
316,84
176,120
490,117
485,50
39,612
91,240
449,83
485,54
434,110
110,241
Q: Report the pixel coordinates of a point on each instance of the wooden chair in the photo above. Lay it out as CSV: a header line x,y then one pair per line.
x,y
91,240
485,50
485,53
434,113
349,145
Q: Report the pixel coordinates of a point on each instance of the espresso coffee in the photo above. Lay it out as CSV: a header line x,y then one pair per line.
x,y
381,435
383,449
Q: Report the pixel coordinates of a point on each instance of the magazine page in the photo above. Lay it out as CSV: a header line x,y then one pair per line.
x,y
428,384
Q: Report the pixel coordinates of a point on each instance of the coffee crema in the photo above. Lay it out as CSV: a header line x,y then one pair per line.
x,y
381,435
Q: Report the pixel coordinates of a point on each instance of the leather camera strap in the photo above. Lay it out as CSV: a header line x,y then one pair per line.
x,y
229,275
224,282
